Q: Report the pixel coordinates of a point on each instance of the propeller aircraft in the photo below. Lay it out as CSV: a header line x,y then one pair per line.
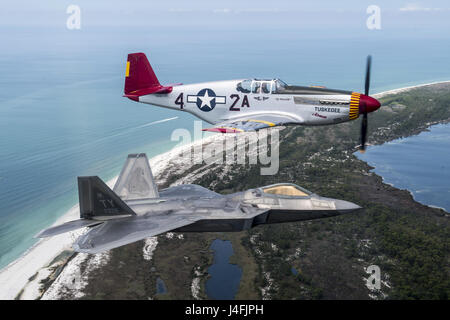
x,y
250,104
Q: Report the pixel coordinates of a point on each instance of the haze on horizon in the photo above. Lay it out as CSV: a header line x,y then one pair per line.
x,y
402,18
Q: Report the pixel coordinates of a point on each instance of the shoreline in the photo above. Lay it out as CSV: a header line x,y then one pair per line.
x,y
23,275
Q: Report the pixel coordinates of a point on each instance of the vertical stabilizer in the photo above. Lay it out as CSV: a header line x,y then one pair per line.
x,y
139,74
136,179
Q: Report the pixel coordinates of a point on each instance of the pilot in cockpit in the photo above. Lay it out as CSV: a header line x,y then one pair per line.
x,y
257,87
265,87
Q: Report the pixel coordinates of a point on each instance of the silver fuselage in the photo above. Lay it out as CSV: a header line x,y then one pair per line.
x,y
238,211
306,106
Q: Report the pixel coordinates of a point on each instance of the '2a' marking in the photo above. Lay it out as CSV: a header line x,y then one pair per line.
x,y
236,99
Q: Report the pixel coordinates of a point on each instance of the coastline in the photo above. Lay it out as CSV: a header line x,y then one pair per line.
x,y
34,263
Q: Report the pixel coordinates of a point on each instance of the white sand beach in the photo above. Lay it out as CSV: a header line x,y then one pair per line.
x,y
15,278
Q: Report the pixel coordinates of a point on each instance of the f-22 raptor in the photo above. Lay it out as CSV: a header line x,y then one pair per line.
x,y
135,209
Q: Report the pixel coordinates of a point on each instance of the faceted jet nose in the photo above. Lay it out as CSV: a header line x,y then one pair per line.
x,y
368,104
345,206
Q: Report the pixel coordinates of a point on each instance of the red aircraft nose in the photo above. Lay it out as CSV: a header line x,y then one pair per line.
x,y
368,103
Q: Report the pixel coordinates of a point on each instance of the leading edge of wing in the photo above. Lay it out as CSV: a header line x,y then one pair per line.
x,y
119,232
252,123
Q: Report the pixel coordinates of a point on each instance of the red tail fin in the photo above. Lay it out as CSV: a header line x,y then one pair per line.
x,y
140,79
139,73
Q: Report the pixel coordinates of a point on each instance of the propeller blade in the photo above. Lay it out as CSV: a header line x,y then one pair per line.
x,y
368,67
362,148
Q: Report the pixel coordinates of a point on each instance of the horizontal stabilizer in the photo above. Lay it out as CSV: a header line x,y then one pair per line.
x,y
66,227
136,179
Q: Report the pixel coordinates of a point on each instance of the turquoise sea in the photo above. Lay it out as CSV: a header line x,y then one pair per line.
x,y
62,113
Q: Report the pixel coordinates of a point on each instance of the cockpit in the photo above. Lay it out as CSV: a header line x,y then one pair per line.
x,y
286,189
261,86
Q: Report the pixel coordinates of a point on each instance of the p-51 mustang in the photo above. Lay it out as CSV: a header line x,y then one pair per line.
x,y
135,209
250,104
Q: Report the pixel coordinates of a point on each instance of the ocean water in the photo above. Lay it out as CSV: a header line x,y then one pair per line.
x,y
420,164
62,113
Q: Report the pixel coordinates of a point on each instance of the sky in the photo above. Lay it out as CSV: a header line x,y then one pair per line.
x,y
428,18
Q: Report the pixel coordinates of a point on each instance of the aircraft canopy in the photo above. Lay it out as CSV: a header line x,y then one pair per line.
x,y
261,86
286,189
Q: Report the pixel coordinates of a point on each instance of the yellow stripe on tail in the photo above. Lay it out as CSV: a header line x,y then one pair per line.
x,y
127,71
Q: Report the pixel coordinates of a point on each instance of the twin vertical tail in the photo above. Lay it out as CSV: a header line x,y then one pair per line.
x,y
140,79
98,203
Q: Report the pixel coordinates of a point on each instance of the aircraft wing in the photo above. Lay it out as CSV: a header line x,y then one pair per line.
x,y
252,123
118,232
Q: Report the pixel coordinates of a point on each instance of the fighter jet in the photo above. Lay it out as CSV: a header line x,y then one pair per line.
x,y
135,209
250,104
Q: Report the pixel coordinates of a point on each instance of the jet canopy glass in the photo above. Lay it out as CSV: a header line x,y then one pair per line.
x,y
283,189
261,86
